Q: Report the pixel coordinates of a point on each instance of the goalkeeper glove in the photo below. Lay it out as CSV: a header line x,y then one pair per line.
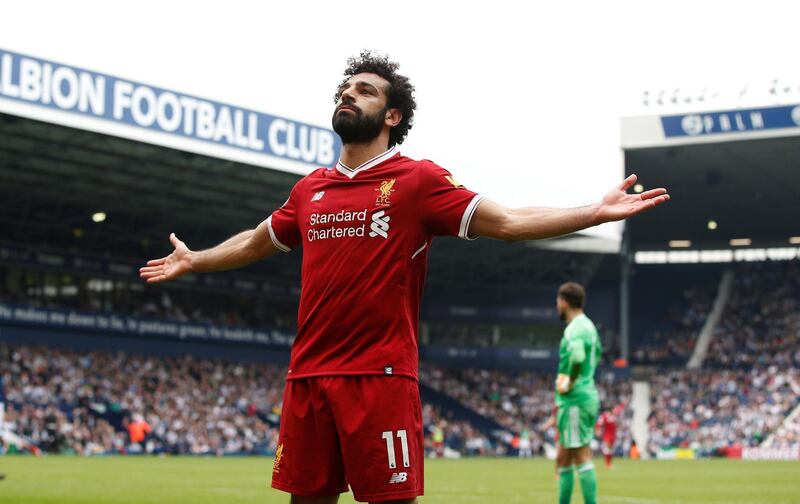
x,y
563,383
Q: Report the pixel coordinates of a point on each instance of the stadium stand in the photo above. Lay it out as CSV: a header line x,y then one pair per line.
x,y
82,402
750,381
72,401
523,400
710,410
671,340
761,325
788,434
88,402
93,294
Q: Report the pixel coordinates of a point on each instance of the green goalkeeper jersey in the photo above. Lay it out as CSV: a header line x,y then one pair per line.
x,y
580,345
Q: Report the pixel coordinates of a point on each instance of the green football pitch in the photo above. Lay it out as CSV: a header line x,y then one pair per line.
x,y
238,480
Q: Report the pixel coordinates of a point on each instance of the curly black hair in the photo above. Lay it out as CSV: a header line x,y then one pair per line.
x,y
400,92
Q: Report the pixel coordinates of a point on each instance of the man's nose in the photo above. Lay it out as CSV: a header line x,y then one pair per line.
x,y
348,96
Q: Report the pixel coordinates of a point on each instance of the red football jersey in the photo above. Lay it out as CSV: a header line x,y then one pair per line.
x,y
366,233
608,425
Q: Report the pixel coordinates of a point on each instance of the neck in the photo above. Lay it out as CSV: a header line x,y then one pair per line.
x,y
571,314
355,154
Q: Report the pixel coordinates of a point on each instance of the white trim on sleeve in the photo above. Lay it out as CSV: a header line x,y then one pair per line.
x,y
275,240
463,230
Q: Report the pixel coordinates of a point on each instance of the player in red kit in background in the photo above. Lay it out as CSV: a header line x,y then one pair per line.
x,y
351,408
607,431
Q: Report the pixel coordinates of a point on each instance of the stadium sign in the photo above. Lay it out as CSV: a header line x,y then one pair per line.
x,y
676,454
541,313
731,121
517,358
80,92
121,325
763,453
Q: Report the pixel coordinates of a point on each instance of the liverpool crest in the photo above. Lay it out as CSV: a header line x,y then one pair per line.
x,y
386,189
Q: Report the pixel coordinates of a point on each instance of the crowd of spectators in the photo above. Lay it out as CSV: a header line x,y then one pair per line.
x,y
136,299
115,403
446,436
673,341
761,322
86,402
523,402
750,379
100,402
713,409
788,434
512,400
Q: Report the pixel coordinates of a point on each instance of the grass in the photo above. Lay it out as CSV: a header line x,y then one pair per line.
x,y
118,480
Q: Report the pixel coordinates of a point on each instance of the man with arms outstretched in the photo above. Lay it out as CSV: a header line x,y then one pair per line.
x,y
576,395
351,410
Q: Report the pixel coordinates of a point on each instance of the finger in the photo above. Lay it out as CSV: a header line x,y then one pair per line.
x,y
628,183
150,274
652,193
152,269
157,279
174,239
156,262
650,203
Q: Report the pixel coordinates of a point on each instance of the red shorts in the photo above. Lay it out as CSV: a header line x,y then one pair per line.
x,y
365,431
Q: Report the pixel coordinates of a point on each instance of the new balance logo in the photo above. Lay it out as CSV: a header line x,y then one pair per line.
x,y
380,225
318,196
398,477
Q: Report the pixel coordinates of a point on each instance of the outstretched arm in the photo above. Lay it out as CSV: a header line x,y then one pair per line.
x,y
496,221
239,250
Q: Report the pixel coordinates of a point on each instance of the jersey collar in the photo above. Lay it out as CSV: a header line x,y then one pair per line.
x,y
380,158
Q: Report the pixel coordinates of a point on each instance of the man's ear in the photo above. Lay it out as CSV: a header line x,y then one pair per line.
x,y
393,117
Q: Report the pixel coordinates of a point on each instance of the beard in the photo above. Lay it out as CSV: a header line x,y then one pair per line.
x,y
562,314
357,127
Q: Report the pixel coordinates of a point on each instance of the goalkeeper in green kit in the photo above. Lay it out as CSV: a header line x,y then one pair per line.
x,y
576,395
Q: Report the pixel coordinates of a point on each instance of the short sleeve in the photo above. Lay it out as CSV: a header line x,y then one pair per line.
x,y
282,224
446,206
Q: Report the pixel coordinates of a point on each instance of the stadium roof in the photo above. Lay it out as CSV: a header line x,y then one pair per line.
x,y
725,184
52,171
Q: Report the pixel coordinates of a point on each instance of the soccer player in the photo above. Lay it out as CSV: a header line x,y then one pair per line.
x,y
351,411
576,395
607,430
438,439
525,450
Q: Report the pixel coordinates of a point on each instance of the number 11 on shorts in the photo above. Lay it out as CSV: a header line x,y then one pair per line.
x,y
389,437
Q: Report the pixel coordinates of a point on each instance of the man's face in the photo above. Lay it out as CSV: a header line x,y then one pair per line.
x,y
561,307
360,113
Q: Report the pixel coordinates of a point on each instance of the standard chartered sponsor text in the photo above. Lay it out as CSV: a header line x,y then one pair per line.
x,y
358,218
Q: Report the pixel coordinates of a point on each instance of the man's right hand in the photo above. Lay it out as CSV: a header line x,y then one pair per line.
x,y
563,383
173,266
